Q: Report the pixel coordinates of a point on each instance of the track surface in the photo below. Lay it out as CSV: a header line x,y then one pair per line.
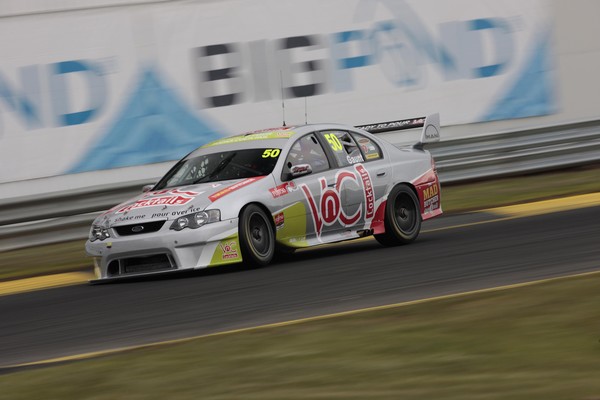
x,y
80,319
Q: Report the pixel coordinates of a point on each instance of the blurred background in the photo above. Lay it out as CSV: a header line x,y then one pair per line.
x,y
99,97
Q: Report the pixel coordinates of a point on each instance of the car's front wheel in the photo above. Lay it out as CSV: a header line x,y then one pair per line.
x,y
402,217
257,237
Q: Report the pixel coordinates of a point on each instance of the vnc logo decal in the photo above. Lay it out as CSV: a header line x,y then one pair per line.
x,y
329,210
229,250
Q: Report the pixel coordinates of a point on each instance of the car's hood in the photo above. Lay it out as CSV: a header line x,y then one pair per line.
x,y
169,203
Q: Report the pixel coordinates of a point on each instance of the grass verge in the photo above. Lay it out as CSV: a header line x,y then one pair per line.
x,y
533,342
456,198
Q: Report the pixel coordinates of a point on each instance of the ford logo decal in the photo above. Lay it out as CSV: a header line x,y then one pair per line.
x,y
137,229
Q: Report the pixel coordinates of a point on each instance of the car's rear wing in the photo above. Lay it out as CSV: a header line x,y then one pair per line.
x,y
429,134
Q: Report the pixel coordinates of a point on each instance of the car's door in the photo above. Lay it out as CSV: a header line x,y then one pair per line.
x,y
375,164
309,204
363,176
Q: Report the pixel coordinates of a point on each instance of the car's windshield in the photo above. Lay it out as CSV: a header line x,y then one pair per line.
x,y
245,163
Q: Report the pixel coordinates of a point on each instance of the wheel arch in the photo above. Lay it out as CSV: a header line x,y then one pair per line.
x,y
265,209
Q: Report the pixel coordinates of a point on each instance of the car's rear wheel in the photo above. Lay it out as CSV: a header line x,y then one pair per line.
x,y
402,217
257,238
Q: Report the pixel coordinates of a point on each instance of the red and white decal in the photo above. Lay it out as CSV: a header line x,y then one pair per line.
x,y
175,200
171,191
283,189
368,188
330,211
228,250
233,188
168,197
428,189
279,220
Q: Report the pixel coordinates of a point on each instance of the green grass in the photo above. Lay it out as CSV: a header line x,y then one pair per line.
x,y
522,189
456,198
41,260
534,342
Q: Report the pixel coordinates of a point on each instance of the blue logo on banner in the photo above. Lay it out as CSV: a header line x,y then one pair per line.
x,y
154,126
532,93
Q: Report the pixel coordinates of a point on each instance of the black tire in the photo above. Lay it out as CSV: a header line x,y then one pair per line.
x,y
402,217
257,237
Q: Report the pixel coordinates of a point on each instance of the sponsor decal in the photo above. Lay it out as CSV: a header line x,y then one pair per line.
x,y
431,198
429,191
160,215
283,189
172,191
300,168
329,210
129,218
229,250
393,125
279,220
175,200
368,189
354,160
233,188
267,134
371,156
169,197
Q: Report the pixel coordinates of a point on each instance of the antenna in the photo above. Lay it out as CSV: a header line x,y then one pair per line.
x,y
282,98
305,112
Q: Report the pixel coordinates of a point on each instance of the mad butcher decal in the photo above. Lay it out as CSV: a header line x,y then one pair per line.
x,y
428,189
329,210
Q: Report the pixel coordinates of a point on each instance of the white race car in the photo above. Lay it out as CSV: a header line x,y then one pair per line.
x,y
243,198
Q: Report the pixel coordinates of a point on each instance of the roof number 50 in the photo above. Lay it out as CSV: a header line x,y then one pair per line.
x,y
271,153
334,142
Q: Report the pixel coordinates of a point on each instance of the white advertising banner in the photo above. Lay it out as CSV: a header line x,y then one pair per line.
x,y
114,87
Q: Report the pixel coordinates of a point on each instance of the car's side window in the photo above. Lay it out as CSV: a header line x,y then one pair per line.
x,y
307,150
369,148
343,146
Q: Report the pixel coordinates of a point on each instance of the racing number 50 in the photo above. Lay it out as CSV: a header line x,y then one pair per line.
x,y
334,142
271,153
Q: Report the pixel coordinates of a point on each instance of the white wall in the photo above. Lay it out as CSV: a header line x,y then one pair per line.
x,y
577,57
129,32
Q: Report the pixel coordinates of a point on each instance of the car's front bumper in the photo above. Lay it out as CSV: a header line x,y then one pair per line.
x,y
165,250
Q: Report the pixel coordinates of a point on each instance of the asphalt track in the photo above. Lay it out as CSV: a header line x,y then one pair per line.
x,y
454,254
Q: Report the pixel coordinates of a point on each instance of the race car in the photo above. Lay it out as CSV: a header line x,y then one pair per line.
x,y
245,198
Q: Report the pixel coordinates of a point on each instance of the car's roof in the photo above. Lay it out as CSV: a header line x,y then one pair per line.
x,y
279,134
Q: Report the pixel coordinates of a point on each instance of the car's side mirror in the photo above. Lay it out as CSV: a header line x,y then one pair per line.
x,y
297,171
147,188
